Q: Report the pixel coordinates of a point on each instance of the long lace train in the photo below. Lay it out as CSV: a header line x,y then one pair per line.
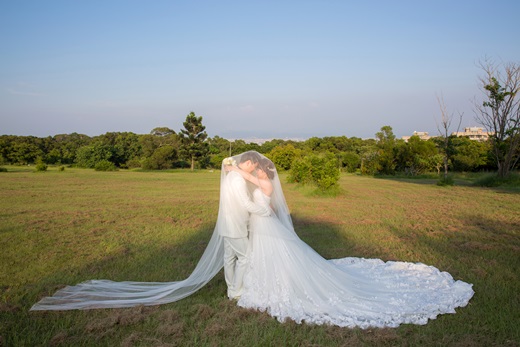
x,y
288,279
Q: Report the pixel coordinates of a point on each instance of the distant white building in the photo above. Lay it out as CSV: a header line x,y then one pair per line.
x,y
423,135
474,133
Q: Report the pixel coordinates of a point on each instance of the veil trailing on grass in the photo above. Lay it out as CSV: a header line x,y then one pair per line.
x,y
110,294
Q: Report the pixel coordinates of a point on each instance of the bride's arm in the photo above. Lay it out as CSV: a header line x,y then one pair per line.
x,y
265,185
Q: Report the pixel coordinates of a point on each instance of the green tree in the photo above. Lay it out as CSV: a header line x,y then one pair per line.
x,y
500,113
148,144
350,161
219,145
386,153
24,150
89,156
355,144
218,149
158,137
268,146
193,139
312,144
124,146
437,162
161,159
241,146
5,148
370,163
327,144
67,145
469,155
341,143
417,156
283,156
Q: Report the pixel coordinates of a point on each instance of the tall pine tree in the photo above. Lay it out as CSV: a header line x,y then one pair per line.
x,y
193,139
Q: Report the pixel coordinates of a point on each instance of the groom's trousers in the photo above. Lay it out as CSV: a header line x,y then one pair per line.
x,y
235,262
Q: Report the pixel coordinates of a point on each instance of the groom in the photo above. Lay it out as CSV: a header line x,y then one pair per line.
x,y
236,205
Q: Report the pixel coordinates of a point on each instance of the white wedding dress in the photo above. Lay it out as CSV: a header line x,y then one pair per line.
x,y
288,279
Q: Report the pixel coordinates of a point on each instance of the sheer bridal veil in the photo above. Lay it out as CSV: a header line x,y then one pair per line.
x,y
110,294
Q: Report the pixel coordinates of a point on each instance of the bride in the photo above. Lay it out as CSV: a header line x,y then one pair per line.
x,y
288,279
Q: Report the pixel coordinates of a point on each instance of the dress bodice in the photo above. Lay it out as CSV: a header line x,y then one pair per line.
x,y
260,198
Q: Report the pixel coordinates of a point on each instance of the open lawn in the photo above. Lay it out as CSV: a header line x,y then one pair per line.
x,y
59,228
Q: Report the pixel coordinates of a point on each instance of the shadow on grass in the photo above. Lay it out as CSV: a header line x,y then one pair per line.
x,y
175,262
457,183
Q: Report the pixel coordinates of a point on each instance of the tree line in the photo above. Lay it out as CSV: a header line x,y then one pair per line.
x,y
314,158
164,148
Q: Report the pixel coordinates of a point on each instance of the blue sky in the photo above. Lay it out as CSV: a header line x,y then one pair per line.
x,y
266,69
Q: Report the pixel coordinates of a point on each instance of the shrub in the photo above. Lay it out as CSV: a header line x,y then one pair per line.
x,y
105,165
3,169
300,172
40,165
133,164
319,170
61,168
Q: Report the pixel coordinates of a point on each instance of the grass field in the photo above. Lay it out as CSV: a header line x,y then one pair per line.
x,y
59,228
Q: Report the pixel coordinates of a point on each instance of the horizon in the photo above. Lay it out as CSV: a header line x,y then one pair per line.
x,y
256,139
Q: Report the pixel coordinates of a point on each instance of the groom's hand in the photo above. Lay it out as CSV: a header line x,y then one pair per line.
x,y
230,168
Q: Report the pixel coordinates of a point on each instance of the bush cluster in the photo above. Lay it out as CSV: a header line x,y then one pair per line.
x,y
105,165
319,170
40,165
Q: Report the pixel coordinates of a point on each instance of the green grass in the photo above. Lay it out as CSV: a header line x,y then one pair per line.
x,y
63,227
